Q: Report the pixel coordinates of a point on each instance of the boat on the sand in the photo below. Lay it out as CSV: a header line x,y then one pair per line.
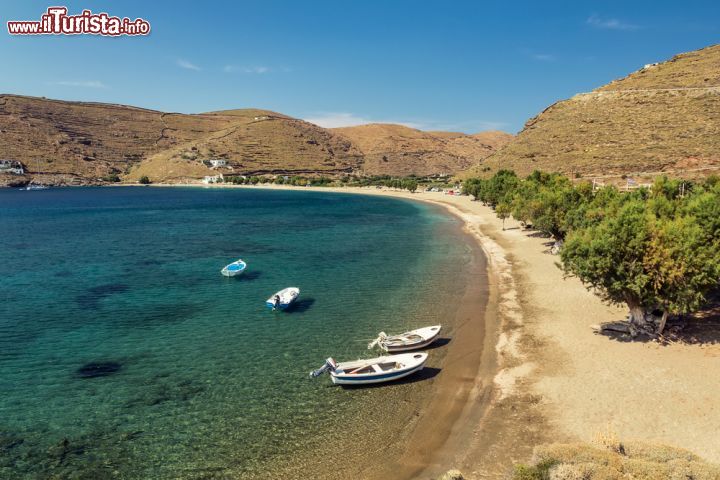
x,y
412,340
373,370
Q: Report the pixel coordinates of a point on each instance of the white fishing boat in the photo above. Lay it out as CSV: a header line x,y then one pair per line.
x,y
283,299
35,186
235,268
412,340
373,370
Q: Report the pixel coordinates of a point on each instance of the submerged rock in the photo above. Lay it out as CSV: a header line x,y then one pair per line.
x,y
92,296
98,369
9,441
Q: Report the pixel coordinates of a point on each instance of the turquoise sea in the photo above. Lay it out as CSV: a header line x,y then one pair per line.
x,y
125,354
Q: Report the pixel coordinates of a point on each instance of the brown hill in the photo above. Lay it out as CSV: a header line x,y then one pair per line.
x,y
664,118
78,142
61,142
398,150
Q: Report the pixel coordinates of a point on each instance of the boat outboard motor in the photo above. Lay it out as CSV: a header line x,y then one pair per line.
x,y
382,336
329,365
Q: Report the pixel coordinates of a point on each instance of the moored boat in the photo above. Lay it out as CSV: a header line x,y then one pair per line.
x,y
373,370
235,268
283,299
35,186
412,340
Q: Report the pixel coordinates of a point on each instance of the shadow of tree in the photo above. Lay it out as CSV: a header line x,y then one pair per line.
x,y
701,327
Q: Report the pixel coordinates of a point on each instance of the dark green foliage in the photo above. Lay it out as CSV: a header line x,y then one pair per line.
x,y
656,248
540,471
144,180
113,178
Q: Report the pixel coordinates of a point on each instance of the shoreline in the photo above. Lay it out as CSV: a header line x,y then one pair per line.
x,y
543,376
463,424
554,380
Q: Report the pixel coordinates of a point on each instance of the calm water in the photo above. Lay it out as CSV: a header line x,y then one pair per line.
x,y
199,379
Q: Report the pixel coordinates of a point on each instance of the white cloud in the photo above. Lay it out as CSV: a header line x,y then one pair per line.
x,y
258,70
341,119
543,57
187,65
81,84
610,23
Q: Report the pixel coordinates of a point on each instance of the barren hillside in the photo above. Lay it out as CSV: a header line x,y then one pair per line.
x,y
664,118
79,143
60,142
399,150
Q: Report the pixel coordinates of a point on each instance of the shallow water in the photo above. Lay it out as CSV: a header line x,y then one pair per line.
x,y
125,354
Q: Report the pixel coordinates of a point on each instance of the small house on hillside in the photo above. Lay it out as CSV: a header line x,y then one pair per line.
x,y
218,162
11,166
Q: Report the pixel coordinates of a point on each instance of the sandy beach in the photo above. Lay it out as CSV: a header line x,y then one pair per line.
x,y
538,374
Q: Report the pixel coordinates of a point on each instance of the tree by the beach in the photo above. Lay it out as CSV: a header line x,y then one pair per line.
x,y
493,190
410,185
144,180
656,249
502,210
650,254
548,201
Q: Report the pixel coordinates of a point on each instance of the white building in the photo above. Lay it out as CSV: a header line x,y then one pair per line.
x,y
11,166
218,163
212,179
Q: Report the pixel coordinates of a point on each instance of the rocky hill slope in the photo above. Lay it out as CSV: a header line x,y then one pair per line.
x,y
77,143
60,142
664,118
390,149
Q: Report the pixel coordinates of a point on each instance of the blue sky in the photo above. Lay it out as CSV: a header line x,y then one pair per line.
x,y
463,66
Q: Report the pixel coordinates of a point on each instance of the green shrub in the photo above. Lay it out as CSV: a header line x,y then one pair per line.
x,y
540,471
113,178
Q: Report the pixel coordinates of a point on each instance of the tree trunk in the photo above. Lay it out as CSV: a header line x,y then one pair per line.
x,y
638,317
663,320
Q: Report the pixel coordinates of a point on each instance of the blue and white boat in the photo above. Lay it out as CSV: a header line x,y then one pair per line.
x,y
373,370
283,299
235,268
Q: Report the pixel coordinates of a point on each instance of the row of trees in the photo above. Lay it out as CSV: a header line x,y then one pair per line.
x,y
295,180
655,249
409,183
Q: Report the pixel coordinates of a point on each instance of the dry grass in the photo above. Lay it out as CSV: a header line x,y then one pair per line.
x,y
76,142
633,126
695,69
610,459
399,150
